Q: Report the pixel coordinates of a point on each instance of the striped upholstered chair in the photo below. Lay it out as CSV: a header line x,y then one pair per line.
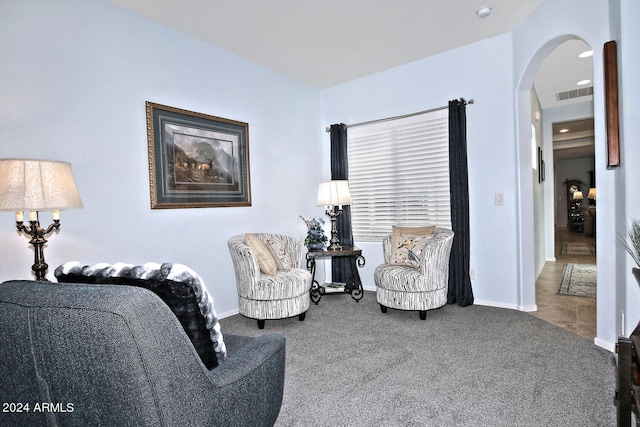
x,y
417,280
271,282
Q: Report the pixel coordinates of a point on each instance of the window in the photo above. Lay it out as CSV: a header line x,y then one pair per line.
x,y
399,174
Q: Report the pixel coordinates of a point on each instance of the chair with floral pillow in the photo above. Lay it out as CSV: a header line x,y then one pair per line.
x,y
270,279
415,275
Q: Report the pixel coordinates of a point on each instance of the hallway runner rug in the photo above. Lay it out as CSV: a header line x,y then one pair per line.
x,y
580,249
578,280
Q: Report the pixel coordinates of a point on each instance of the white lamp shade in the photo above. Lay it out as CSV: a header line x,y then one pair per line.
x,y
592,194
334,193
577,195
37,185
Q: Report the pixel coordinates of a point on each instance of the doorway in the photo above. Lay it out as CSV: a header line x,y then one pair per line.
x,y
564,91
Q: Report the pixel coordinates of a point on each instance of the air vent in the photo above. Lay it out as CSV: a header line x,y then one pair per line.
x,y
576,93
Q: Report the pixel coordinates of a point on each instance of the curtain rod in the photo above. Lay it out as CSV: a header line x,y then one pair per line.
x,y
328,129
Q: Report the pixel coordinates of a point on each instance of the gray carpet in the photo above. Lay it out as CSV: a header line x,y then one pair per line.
x,y
350,365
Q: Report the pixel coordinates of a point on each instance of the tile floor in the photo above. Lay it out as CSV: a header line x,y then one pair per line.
x,y
576,314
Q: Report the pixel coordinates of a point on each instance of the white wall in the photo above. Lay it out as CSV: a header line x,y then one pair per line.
x,y
596,22
629,70
539,188
74,81
482,72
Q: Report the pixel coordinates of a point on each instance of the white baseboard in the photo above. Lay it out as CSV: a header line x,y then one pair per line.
x,y
497,304
228,313
605,344
484,302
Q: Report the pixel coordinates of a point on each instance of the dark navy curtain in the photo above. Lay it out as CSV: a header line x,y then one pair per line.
x,y
460,291
340,267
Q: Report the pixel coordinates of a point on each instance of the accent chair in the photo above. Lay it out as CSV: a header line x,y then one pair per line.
x,y
415,275
270,279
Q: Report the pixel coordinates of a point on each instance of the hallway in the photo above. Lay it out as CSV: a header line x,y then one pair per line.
x,y
576,314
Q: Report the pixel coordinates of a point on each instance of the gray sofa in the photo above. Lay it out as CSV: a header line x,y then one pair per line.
x,y
115,355
590,221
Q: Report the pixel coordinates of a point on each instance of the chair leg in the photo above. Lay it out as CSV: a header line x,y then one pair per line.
x,y
260,323
301,316
383,308
423,314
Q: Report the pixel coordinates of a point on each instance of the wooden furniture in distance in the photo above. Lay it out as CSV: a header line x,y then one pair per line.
x,y
575,211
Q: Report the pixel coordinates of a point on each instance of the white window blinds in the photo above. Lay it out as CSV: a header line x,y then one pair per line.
x,y
399,174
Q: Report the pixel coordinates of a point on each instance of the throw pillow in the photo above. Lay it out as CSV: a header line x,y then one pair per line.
x,y
415,231
265,260
280,254
177,285
409,250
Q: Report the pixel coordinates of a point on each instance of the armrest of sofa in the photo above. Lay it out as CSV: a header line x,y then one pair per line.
x,y
251,380
242,363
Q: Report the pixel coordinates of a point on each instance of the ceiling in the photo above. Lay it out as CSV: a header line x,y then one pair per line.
x,y
307,40
577,141
561,71
559,74
329,42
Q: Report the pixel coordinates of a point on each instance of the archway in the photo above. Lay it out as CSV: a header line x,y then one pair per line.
x,y
564,227
526,255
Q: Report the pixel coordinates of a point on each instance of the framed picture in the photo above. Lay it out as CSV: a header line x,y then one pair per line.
x,y
540,166
196,160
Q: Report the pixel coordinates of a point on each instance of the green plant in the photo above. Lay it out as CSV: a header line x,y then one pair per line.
x,y
632,241
315,233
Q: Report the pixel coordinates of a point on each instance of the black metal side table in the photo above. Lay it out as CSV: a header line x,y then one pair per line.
x,y
353,286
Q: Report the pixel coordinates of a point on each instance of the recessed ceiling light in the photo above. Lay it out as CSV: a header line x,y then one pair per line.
x,y
483,12
586,54
563,130
583,82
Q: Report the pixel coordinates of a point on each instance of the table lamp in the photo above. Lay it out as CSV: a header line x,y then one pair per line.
x,y
333,195
36,186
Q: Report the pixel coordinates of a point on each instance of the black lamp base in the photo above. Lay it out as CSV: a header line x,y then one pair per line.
x,y
37,234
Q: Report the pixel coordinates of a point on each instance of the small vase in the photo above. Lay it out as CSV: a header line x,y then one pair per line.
x,y
316,246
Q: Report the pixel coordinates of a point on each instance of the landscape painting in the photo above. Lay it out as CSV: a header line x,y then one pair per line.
x,y
196,160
